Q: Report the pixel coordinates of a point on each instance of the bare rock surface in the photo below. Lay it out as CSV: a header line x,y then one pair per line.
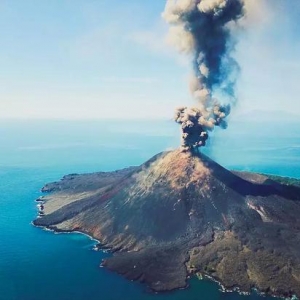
x,y
182,213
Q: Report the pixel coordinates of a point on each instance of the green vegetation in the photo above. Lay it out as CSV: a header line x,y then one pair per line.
x,y
284,180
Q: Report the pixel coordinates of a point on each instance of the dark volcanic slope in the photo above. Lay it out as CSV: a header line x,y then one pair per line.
x,y
181,213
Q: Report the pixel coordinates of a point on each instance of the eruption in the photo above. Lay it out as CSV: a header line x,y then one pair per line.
x,y
204,28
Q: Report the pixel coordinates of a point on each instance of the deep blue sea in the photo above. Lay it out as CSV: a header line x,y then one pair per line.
x,y
40,265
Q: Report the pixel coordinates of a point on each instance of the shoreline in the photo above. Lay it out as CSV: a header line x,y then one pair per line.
x,y
236,185
222,288
55,231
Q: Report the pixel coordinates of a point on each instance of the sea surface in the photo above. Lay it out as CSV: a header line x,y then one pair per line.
x,y
39,265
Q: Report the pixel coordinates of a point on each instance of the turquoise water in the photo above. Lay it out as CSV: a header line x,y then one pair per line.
x,y
39,265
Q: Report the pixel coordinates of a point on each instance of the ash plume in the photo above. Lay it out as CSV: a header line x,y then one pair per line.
x,y
203,28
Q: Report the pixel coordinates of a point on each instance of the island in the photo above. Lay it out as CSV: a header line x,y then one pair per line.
x,y
181,214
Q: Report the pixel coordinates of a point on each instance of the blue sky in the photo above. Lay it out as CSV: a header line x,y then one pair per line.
x,y
95,59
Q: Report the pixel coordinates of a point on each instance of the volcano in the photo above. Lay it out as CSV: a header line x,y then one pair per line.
x,y
181,213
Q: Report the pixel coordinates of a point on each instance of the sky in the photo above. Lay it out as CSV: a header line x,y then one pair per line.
x,y
98,59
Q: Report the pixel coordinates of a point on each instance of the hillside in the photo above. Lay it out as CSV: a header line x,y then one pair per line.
x,y
182,213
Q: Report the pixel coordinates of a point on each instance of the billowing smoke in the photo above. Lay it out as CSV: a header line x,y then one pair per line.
x,y
203,28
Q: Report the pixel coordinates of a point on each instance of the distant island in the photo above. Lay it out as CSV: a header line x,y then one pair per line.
x,y
181,213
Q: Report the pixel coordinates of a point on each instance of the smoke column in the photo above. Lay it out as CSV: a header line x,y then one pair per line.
x,y
203,28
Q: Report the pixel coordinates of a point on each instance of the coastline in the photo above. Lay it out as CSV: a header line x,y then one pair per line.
x,y
222,288
56,231
80,194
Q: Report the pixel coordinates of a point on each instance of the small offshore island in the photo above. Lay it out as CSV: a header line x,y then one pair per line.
x,y
181,213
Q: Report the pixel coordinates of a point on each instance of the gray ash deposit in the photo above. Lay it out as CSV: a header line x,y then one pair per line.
x,y
181,213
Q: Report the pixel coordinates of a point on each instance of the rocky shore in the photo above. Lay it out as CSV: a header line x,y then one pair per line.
x,y
180,214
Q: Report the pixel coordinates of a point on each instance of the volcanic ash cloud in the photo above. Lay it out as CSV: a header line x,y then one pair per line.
x,y
203,29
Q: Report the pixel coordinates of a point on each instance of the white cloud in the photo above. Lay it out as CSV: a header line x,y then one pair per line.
x,y
129,80
97,43
153,40
156,41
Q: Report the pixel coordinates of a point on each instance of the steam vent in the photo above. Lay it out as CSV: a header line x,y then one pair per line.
x,y
181,213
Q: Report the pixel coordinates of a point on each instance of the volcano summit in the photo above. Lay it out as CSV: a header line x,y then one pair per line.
x,y
181,213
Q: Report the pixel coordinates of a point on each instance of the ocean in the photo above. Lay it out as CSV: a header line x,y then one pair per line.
x,y
39,265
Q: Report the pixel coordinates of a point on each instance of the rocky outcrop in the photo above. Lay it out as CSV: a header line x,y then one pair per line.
x,y
182,213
